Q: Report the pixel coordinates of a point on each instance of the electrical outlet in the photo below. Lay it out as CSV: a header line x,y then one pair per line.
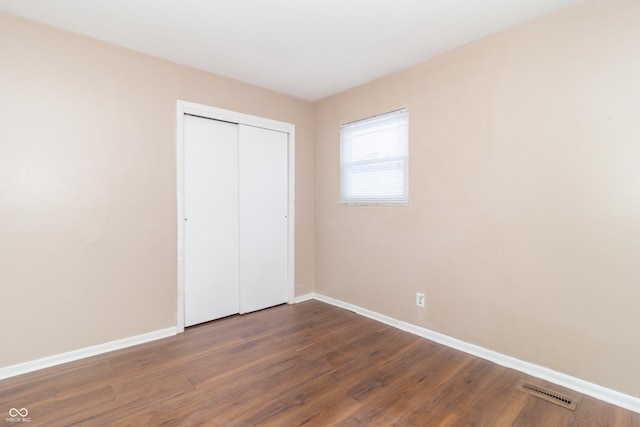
x,y
420,299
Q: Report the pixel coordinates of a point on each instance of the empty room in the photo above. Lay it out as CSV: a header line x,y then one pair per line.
x,y
330,213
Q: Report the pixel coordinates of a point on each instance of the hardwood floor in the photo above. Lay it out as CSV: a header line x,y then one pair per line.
x,y
307,364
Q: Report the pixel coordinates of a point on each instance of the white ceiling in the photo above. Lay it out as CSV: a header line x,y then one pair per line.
x,y
309,49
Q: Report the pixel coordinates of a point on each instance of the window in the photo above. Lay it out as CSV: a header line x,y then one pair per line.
x,y
374,160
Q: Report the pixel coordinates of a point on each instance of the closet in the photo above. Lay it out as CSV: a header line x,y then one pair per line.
x,y
235,218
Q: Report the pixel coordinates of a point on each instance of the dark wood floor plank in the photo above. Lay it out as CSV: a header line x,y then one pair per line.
x,y
467,387
538,412
266,385
498,405
433,372
595,413
308,364
25,395
189,409
67,375
413,388
73,406
430,414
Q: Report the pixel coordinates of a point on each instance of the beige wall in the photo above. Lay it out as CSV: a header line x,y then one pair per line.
x,y
524,224
88,188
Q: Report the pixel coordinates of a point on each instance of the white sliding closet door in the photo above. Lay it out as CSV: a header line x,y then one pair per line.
x,y
236,218
263,193
211,219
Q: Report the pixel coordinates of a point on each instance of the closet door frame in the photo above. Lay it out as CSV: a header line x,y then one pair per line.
x,y
185,107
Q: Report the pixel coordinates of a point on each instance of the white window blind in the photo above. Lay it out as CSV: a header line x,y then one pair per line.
x,y
374,160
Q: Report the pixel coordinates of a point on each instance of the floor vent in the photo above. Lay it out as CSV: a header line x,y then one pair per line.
x,y
549,395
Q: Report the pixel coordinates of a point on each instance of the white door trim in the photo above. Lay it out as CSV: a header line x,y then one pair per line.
x,y
184,107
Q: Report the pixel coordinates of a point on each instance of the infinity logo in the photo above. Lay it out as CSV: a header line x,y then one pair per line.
x,y
23,412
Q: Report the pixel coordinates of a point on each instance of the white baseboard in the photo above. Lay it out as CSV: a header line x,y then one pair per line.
x,y
594,390
59,359
303,298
